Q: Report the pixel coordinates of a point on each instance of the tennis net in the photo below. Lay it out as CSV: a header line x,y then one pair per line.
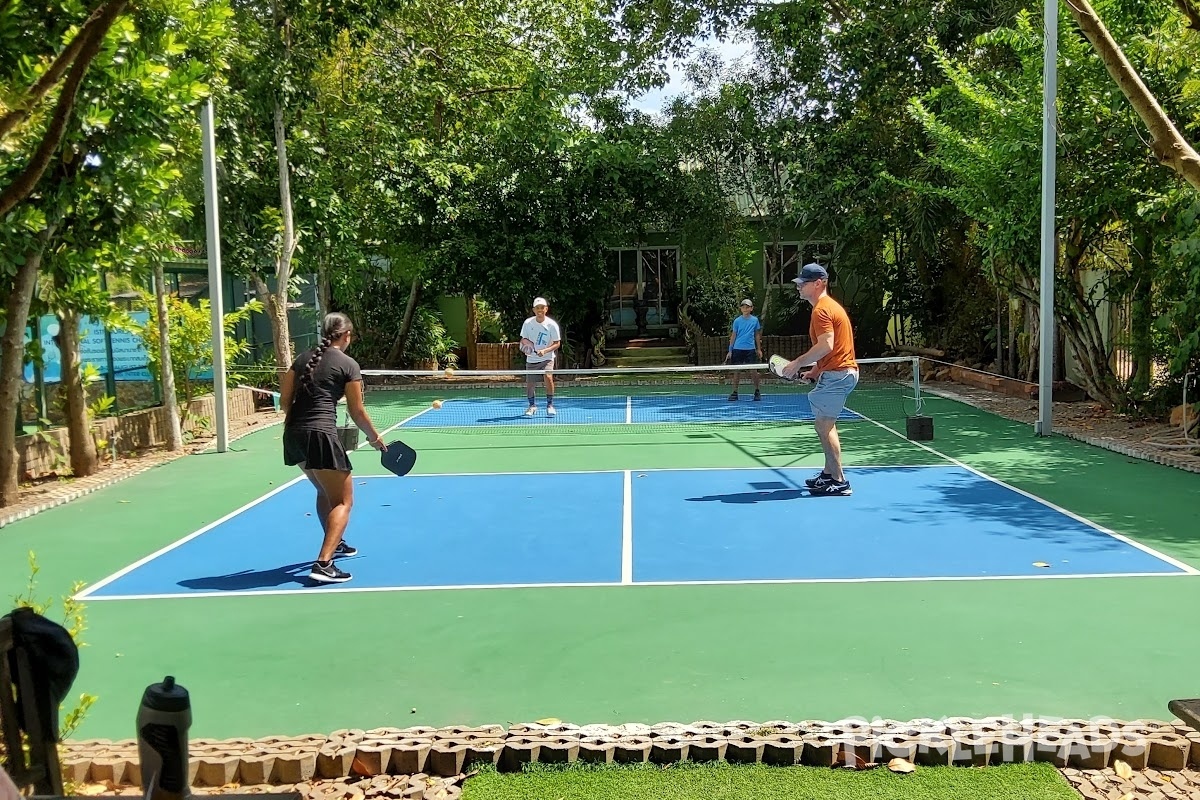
x,y
624,399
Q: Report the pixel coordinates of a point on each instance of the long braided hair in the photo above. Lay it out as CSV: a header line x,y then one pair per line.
x,y
333,327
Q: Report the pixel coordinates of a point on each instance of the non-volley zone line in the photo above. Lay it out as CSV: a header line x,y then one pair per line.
x,y
664,409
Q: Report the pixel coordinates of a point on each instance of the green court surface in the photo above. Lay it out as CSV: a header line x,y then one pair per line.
x,y
317,661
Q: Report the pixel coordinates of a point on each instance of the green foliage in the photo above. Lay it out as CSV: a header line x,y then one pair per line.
x,y
189,334
985,127
1179,322
429,342
714,294
74,620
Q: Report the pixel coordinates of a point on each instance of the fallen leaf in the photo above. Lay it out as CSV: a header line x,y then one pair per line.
x,y
1040,564
848,759
901,765
1123,770
549,721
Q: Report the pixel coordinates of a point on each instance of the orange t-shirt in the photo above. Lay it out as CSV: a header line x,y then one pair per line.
x,y
828,315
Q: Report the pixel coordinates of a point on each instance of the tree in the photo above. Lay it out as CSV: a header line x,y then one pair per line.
x,y
166,363
107,201
272,87
1167,144
68,67
985,127
190,335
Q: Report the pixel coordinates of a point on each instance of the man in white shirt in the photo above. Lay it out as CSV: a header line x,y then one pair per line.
x,y
540,337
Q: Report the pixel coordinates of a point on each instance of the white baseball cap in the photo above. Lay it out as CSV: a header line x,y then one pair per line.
x,y
540,301
748,302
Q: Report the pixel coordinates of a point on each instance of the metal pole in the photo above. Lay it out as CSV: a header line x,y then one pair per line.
x,y
216,296
39,381
110,376
1045,421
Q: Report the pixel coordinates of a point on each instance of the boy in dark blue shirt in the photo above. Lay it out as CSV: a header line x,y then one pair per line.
x,y
745,346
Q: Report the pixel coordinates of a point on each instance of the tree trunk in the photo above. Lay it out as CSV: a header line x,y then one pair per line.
x,y
85,43
472,332
277,302
1166,142
1014,330
1078,322
12,363
90,37
277,315
324,292
1032,332
170,401
1141,319
84,461
409,310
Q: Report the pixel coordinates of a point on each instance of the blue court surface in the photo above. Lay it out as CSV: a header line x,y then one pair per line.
x,y
620,409
643,527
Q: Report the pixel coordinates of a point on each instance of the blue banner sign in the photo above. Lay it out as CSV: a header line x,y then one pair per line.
x,y
129,356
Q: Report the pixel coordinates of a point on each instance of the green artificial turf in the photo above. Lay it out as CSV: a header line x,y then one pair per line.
x,y
726,782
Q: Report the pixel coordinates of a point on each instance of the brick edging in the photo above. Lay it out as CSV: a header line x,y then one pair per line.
x,y
97,482
452,751
1133,451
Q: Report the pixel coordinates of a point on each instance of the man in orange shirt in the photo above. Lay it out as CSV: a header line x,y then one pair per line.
x,y
832,365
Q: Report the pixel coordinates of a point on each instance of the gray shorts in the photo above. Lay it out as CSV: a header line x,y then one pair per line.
x,y
545,366
828,396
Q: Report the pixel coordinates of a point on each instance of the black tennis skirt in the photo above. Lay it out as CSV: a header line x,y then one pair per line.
x,y
314,450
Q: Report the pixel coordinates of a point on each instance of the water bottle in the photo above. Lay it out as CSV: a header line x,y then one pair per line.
x,y
162,727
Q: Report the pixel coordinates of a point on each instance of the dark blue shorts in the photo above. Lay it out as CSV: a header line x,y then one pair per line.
x,y
743,357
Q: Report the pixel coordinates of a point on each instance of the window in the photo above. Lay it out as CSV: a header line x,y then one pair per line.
x,y
782,263
648,274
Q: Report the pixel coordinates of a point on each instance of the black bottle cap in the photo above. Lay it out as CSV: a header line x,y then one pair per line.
x,y
166,696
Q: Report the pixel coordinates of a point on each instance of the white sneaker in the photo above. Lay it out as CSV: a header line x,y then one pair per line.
x,y
550,412
529,412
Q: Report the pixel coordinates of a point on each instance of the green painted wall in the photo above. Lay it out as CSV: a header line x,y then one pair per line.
x,y
454,315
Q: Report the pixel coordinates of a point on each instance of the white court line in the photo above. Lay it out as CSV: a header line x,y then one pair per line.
x,y
86,593
1190,570
629,409
648,469
318,591
627,535
627,531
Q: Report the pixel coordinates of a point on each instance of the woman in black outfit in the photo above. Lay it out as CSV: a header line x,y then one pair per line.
x,y
309,394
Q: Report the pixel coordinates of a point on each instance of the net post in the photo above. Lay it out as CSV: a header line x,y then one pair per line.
x,y
916,362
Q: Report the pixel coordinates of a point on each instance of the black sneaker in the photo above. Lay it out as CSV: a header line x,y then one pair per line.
x,y
831,489
733,396
328,572
344,549
820,480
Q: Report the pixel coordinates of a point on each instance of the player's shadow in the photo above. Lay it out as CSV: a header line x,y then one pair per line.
x,y
254,579
765,496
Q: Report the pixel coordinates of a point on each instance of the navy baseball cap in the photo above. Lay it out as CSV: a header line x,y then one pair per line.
x,y
811,272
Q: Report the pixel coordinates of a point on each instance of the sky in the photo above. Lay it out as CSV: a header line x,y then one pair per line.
x,y
652,102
